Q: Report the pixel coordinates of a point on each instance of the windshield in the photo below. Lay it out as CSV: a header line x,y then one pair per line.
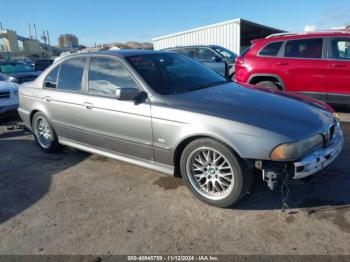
x,y
225,52
11,68
173,73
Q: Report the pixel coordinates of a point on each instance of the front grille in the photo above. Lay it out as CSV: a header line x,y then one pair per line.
x,y
329,135
331,132
4,95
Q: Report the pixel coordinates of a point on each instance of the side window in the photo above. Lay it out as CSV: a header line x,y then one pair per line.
x,y
71,74
305,48
106,75
340,48
51,78
189,52
271,49
206,54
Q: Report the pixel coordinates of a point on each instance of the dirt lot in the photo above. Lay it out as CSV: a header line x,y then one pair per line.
x,y
77,203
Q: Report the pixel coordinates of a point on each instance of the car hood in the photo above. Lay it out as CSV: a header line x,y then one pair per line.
x,y
296,117
26,76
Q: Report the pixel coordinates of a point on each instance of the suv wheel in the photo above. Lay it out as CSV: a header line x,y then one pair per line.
x,y
44,134
214,173
268,84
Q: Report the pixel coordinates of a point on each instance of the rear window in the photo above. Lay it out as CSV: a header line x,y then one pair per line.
x,y
71,74
245,51
271,49
304,48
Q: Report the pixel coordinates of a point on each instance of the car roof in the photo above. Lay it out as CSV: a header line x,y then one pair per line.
x,y
190,46
128,52
313,34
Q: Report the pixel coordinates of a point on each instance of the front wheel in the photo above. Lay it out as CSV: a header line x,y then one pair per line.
x,y
269,84
214,173
44,134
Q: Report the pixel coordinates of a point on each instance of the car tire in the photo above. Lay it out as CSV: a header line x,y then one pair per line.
x,y
207,180
44,134
269,84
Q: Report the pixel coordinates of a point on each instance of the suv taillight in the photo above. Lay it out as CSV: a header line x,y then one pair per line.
x,y
240,60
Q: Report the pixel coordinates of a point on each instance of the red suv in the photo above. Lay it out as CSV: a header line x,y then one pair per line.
x,y
316,64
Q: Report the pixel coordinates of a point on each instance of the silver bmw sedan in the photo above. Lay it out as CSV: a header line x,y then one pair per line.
x,y
166,112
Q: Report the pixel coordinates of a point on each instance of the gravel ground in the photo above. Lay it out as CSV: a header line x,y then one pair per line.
x,y
77,203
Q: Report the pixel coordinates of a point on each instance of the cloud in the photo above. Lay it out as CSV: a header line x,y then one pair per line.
x,y
333,17
309,28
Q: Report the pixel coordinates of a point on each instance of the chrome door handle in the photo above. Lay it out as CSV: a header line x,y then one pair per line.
x,y
47,98
88,105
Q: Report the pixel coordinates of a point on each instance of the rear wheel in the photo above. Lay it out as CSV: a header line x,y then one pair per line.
x,y
214,173
269,84
44,134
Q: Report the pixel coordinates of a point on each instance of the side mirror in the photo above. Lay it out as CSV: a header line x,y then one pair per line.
x,y
127,93
50,84
217,58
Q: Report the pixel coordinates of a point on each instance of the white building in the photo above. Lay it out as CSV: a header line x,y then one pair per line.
x,y
235,35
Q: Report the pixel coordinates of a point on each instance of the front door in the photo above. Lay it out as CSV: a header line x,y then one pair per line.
x,y
122,127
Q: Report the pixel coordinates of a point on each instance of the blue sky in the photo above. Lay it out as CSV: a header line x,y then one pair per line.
x,y
107,20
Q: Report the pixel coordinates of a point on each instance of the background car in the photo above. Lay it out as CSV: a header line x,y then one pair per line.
x,y
42,64
216,57
316,64
18,72
8,95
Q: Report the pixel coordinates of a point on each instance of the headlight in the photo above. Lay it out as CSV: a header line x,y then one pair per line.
x,y
296,149
13,79
336,116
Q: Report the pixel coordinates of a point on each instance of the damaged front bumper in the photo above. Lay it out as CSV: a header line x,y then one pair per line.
x,y
321,158
273,171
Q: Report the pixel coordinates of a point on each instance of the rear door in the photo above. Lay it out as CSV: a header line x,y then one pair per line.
x,y
303,67
63,97
338,70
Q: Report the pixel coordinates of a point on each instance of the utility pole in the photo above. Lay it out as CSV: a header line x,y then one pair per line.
x,y
48,40
48,37
30,32
36,35
44,38
0,26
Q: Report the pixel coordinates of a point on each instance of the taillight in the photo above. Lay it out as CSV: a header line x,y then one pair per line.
x,y
240,60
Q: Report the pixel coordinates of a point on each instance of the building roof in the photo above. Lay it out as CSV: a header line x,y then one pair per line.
x,y
237,21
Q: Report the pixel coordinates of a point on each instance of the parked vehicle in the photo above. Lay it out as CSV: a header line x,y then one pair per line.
x,y
8,95
216,57
166,112
42,64
18,72
316,64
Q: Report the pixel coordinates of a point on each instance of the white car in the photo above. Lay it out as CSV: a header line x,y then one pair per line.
x,y
8,95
